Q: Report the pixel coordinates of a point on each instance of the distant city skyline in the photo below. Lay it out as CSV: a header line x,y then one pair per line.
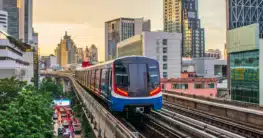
x,y
85,20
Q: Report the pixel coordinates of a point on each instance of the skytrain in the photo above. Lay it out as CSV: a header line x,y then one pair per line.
x,y
124,84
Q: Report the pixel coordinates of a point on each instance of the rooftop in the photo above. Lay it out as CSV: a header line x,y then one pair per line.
x,y
189,80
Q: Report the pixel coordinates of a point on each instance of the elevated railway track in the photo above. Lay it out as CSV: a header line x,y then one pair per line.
x,y
177,119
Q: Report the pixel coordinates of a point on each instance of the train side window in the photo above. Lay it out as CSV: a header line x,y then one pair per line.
x,y
97,80
104,81
110,79
88,76
93,78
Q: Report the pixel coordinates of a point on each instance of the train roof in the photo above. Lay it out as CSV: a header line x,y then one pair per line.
x,y
109,62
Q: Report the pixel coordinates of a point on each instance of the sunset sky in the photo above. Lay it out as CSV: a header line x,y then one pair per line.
x,y
84,20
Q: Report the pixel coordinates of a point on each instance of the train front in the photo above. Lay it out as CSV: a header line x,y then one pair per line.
x,y
136,85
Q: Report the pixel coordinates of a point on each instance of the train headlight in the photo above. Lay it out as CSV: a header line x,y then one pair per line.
x,y
155,91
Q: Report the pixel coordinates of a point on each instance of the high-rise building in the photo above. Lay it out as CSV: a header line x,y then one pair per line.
x,y
93,56
86,54
162,46
244,12
244,50
80,57
19,19
3,20
66,51
120,29
182,16
15,11
28,31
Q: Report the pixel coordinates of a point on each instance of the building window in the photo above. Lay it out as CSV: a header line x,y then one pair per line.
x,y
163,86
157,49
165,58
165,50
199,86
164,42
165,74
165,66
180,86
211,85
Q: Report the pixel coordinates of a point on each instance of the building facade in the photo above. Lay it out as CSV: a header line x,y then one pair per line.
x,y
12,62
93,55
20,14
80,57
206,87
213,53
206,67
238,16
49,62
182,16
162,46
120,29
244,47
66,51
15,11
244,41
28,24
3,20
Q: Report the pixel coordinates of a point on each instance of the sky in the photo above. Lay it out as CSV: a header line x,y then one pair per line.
x,y
84,20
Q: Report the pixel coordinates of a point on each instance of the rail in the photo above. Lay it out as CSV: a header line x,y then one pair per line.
x,y
239,114
104,124
224,123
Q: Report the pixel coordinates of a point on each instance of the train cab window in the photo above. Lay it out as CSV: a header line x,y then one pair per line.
x,y
153,76
121,72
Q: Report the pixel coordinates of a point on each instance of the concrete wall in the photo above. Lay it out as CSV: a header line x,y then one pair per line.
x,y
7,73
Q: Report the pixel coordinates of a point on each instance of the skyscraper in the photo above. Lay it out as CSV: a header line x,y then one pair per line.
x,y
3,20
120,29
93,56
244,50
19,19
80,57
15,17
182,16
244,12
66,51
28,31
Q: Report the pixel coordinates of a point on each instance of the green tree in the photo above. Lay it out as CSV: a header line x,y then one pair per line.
x,y
28,114
9,89
49,85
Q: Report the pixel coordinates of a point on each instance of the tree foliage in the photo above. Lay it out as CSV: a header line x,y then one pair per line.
x,y
28,114
49,85
9,89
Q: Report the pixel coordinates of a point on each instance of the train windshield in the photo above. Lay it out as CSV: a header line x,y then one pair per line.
x,y
137,79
